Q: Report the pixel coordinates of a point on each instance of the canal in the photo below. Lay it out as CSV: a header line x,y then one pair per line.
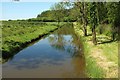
x,y
58,55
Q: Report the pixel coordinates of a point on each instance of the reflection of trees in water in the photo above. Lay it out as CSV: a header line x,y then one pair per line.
x,y
78,47
78,57
57,42
72,45
66,40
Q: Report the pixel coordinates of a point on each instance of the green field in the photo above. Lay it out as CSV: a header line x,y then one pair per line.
x,y
15,34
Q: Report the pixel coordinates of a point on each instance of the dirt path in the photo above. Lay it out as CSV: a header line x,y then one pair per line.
x,y
109,67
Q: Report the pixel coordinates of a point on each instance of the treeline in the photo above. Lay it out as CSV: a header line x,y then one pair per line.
x,y
103,17
100,17
48,16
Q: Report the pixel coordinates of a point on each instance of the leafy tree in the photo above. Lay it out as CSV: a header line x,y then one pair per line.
x,y
82,13
101,16
93,20
117,20
114,16
101,12
58,7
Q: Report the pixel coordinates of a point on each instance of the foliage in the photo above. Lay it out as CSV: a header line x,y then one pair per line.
x,y
113,17
95,14
106,48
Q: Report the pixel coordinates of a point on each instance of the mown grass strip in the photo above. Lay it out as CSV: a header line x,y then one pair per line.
x,y
102,59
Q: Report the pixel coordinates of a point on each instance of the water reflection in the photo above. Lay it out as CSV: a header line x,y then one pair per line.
x,y
58,55
66,40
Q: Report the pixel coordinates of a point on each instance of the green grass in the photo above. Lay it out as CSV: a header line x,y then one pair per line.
x,y
109,50
16,33
92,69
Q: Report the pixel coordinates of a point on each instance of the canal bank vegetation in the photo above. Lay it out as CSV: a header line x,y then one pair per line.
x,y
17,34
101,59
97,22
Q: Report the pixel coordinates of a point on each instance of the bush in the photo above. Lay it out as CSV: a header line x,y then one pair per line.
x,y
104,29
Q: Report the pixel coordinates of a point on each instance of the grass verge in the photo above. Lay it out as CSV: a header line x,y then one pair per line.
x,y
102,59
17,35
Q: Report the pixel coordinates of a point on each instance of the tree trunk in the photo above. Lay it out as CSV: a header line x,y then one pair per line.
x,y
113,36
113,33
94,35
58,21
85,30
84,19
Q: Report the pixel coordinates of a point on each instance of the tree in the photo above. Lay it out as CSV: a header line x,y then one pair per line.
x,y
114,17
117,19
84,18
93,20
101,12
82,7
58,7
101,15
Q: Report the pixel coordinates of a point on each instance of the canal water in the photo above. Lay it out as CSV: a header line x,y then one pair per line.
x,y
58,55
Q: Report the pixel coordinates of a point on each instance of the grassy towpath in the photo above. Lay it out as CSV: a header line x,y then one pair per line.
x,y
102,59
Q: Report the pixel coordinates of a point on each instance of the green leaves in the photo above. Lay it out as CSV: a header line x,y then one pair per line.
x,y
93,13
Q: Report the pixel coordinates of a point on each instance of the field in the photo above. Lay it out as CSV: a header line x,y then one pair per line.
x,y
16,34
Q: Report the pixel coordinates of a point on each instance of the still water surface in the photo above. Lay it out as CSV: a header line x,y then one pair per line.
x,y
59,55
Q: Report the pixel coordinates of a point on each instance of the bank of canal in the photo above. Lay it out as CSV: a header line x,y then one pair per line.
x,y
102,59
58,55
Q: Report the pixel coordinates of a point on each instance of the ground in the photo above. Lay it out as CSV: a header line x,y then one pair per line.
x,y
104,54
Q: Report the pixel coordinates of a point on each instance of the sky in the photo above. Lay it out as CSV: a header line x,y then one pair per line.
x,y
22,10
